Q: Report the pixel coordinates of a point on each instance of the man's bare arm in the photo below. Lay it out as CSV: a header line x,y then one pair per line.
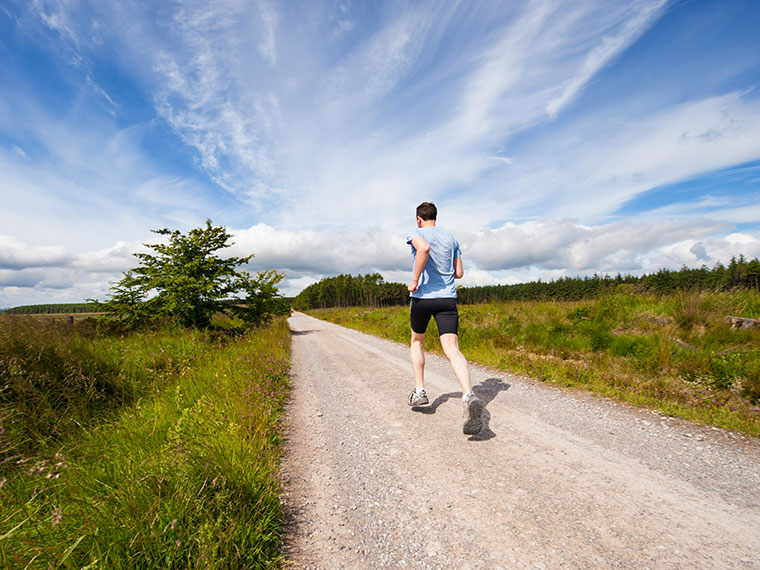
x,y
423,252
458,268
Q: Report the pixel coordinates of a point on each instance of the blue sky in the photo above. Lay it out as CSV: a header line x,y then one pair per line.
x,y
557,138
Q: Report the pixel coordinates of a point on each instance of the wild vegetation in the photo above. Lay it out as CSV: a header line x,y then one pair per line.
x,y
674,353
152,449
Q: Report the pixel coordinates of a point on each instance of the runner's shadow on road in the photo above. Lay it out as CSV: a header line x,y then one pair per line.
x,y
437,402
299,333
486,391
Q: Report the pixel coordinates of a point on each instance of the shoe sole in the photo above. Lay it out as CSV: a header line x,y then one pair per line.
x,y
416,404
474,422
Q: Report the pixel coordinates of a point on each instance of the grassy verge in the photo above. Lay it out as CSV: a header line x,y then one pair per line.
x,y
152,450
674,354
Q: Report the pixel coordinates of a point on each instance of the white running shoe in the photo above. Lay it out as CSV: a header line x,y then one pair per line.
x,y
418,398
473,415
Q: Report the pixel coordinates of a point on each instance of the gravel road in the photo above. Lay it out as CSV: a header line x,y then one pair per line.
x,y
556,479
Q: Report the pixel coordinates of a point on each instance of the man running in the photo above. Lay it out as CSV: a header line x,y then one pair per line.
x,y
437,263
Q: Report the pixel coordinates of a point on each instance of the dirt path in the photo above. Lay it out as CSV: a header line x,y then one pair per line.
x,y
555,479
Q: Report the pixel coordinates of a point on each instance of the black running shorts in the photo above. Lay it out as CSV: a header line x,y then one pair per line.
x,y
444,311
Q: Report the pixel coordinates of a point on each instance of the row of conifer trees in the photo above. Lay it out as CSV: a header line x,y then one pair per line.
x,y
372,291
52,308
348,291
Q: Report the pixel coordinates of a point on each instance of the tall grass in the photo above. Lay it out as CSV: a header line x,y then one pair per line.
x,y
155,450
670,353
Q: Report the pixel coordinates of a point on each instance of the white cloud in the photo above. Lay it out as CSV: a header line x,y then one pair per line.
x,y
112,260
546,249
19,151
522,67
593,166
576,248
609,47
326,252
315,136
15,254
268,45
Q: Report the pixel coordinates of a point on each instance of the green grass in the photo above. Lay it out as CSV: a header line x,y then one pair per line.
x,y
150,450
673,354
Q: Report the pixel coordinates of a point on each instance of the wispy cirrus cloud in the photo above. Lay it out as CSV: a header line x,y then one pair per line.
x,y
382,118
610,46
563,175
269,20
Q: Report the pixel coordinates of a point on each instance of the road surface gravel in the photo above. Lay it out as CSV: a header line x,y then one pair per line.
x,y
556,479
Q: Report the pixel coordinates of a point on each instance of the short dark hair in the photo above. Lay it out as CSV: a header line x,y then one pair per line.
x,y
427,211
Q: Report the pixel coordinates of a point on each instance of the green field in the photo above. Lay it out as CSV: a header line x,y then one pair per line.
x,y
155,449
670,353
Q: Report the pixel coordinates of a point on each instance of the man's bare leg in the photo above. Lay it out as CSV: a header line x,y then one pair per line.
x,y
450,344
473,406
418,358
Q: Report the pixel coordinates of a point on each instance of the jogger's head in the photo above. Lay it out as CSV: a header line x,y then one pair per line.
x,y
427,211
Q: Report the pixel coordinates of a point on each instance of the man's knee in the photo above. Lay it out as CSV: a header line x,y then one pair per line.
x,y
450,345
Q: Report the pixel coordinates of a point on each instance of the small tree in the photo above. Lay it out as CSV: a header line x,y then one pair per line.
x,y
185,279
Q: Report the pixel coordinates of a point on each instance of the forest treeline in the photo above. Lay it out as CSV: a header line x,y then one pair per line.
x,y
371,290
738,274
348,291
52,308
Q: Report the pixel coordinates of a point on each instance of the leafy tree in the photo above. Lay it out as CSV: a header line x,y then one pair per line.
x,y
262,297
185,279
127,304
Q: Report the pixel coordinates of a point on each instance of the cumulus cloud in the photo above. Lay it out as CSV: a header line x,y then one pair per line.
x,y
41,274
113,259
510,253
575,248
325,252
513,252
20,279
15,254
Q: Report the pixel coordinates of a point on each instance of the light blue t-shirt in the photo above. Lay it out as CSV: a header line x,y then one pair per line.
x,y
437,280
